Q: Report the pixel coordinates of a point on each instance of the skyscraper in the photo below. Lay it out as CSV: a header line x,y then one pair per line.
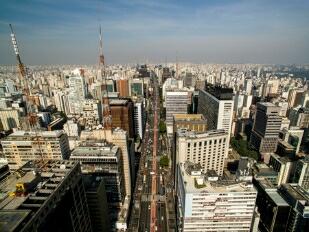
x,y
104,161
267,123
216,104
176,102
122,112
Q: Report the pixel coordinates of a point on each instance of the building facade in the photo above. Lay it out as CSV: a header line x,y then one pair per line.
x,y
266,128
216,104
205,205
23,146
209,149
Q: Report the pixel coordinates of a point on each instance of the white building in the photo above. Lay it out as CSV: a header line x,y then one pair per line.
x,y
71,128
139,118
205,205
176,102
209,149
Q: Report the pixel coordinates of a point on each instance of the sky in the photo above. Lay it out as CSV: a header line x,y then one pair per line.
x,y
156,31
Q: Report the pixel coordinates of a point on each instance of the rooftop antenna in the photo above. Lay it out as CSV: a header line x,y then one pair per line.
x,y
107,118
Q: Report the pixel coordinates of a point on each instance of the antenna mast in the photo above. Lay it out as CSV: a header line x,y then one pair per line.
x,y
107,118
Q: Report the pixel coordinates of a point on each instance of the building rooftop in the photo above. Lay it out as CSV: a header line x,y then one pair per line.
x,y
94,150
183,132
20,133
116,102
219,92
275,196
24,192
198,183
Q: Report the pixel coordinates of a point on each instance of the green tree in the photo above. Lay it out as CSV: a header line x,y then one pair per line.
x,y
162,127
164,161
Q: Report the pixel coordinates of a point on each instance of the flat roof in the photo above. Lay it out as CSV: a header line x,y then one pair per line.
x,y
274,195
216,186
10,219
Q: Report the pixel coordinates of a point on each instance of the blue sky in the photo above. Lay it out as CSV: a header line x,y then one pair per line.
x,y
66,31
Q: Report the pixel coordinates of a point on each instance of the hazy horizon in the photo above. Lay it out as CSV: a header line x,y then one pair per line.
x,y
137,31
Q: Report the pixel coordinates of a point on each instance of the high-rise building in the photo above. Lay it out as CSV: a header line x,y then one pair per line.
x,y
299,116
78,92
136,88
176,102
271,87
283,166
44,196
122,113
139,118
104,160
9,118
267,123
248,86
209,149
274,210
298,199
301,174
295,97
123,88
205,204
23,146
216,104
97,202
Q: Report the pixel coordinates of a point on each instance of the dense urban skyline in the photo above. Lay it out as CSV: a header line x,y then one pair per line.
x,y
55,32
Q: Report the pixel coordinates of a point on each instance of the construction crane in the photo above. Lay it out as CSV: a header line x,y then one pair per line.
x,y
107,117
23,76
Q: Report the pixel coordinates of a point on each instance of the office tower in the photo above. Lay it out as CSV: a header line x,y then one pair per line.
x,y
299,117
267,123
176,102
136,88
301,174
61,100
22,146
205,205
209,149
97,202
293,136
123,88
72,128
45,196
122,113
104,160
9,118
283,166
92,111
77,87
139,118
271,87
120,138
274,210
78,92
248,86
305,100
295,97
216,104
166,74
298,199
193,122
